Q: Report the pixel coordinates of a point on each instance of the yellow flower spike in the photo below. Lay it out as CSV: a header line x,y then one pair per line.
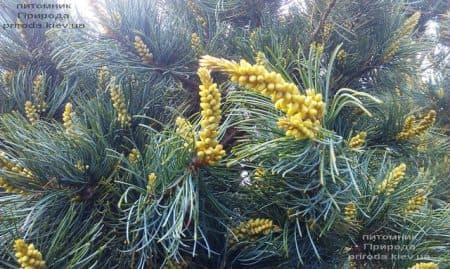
x,y
24,172
81,166
258,178
142,50
134,155
304,112
409,24
327,28
319,48
193,7
350,212
408,127
151,182
426,122
358,140
8,165
406,29
411,128
259,173
424,265
252,229
31,113
209,151
9,188
341,55
391,181
39,93
103,77
68,115
28,256
415,203
186,131
196,44
118,100
6,77
37,82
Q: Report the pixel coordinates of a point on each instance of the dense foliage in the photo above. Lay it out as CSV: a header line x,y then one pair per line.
x,y
225,134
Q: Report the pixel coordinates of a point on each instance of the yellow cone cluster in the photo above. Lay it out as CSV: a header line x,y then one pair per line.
x,y
209,151
103,77
350,212
9,166
133,156
258,178
142,50
341,55
151,182
409,25
358,140
424,265
306,113
186,131
327,28
196,44
252,229
81,166
31,112
406,29
391,181
68,114
9,188
303,112
197,13
28,256
426,122
259,173
416,202
6,77
39,93
411,128
408,126
118,100
317,47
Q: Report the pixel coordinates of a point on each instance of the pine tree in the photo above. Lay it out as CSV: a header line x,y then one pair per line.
x,y
225,134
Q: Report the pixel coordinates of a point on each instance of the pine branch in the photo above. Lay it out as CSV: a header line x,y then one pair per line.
x,y
323,18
